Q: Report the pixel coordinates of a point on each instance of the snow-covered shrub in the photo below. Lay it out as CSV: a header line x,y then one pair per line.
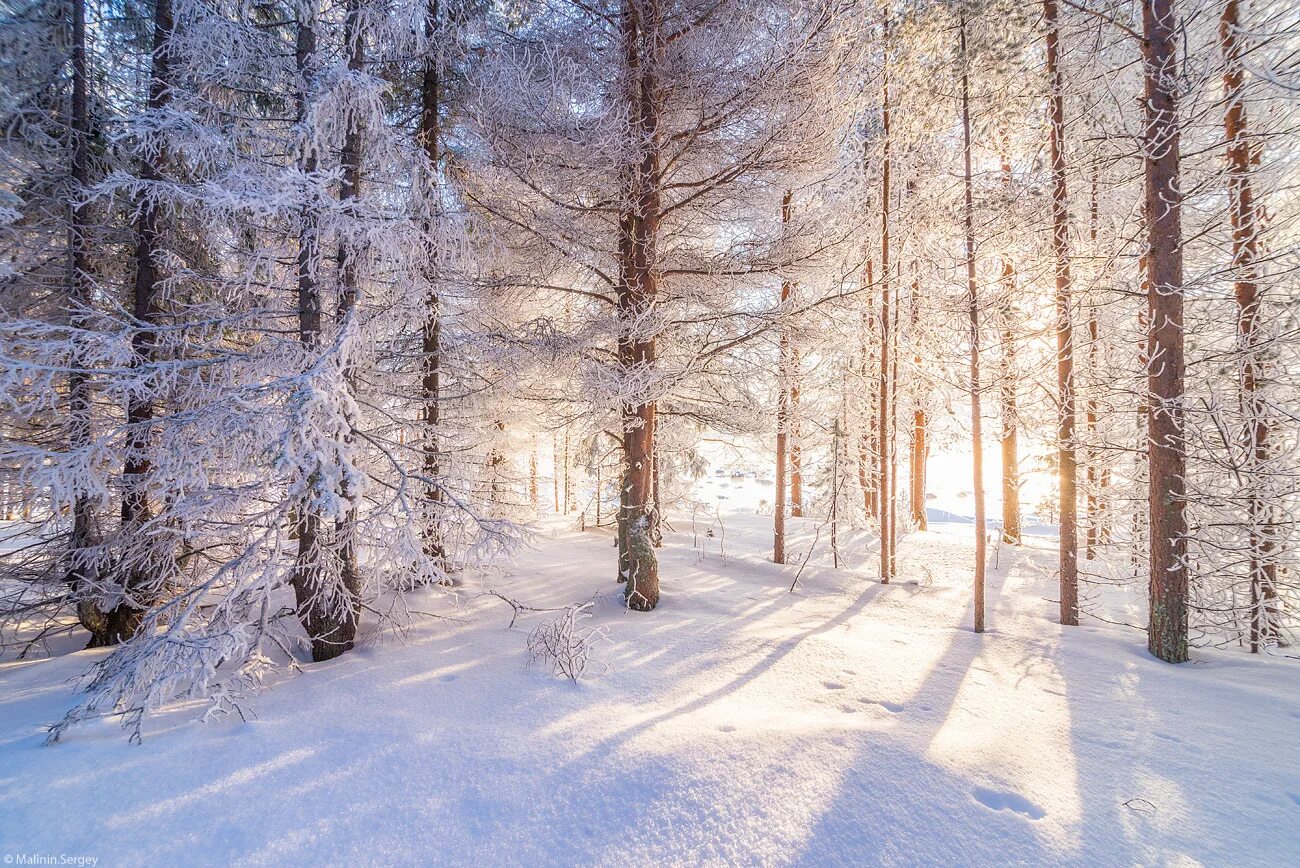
x,y
565,644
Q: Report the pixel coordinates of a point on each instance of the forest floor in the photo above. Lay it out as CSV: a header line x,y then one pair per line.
x,y
845,723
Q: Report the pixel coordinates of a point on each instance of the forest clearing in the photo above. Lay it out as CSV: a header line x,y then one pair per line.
x,y
846,723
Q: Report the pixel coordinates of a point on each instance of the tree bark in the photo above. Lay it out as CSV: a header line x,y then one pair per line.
x,y
555,470
637,290
124,619
1065,435
84,568
868,475
1142,450
884,422
1260,532
568,478
1167,448
430,141
349,254
1011,530
782,415
920,426
1010,387
656,526
972,297
796,446
325,622
1095,475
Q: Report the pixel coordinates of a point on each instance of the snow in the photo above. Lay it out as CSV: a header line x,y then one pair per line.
x,y
848,722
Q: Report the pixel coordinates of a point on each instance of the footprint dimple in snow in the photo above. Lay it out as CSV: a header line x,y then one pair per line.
x,y
832,685
892,707
999,801
1167,737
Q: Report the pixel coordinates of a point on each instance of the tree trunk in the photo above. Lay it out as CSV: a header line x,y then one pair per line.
x,y
124,619
920,426
1260,532
796,447
782,415
656,526
1010,387
431,329
84,566
868,476
1167,450
884,422
895,331
972,297
1095,475
348,258
1011,530
637,291
496,460
323,620
836,428
534,499
555,470
1142,450
568,499
1066,464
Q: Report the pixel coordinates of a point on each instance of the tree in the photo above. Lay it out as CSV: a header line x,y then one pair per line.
x,y
1066,460
973,307
1167,446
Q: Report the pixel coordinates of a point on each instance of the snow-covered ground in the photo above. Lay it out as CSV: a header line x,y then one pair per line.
x,y
846,723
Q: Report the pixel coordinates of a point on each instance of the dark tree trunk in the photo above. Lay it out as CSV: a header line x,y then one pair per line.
x,y
972,297
84,567
1167,448
349,299
323,620
1066,463
1244,215
637,291
348,256
431,329
139,586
